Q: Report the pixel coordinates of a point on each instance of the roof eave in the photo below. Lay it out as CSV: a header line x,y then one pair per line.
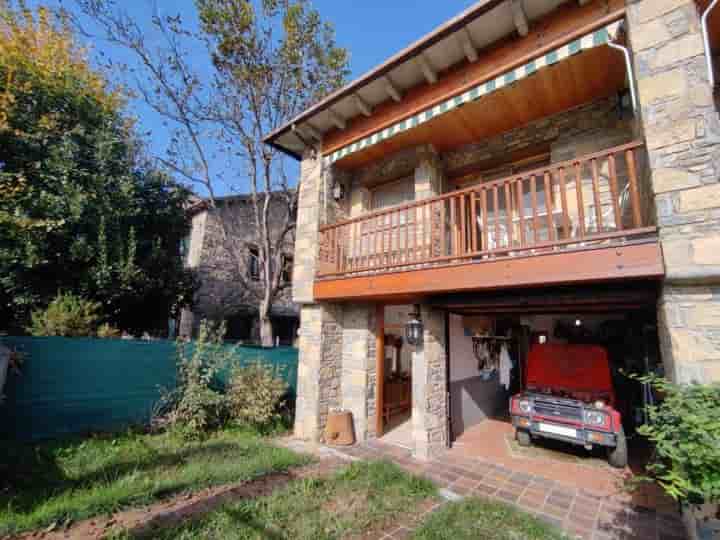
x,y
413,50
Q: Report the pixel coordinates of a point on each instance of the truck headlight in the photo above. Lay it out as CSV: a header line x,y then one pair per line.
x,y
525,406
595,418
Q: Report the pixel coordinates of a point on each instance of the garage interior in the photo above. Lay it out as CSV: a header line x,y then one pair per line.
x,y
482,328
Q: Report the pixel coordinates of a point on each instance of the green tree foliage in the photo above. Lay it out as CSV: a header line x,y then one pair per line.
x,y
268,60
80,211
67,315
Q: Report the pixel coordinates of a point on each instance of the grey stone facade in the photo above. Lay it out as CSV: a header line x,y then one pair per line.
x,y
222,265
680,124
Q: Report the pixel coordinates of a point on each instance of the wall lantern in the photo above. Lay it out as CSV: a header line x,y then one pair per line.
x,y
414,327
338,191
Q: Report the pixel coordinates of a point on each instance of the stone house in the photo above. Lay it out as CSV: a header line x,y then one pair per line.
x,y
228,270
538,170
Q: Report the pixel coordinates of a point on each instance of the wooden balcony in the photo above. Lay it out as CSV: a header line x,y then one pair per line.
x,y
580,220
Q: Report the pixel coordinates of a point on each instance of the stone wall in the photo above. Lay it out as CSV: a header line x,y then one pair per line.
x,y
358,362
319,368
222,262
429,388
680,122
566,135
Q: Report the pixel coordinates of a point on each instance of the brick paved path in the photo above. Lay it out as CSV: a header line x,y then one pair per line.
x,y
581,513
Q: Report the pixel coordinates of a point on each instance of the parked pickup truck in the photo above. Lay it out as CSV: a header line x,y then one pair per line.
x,y
569,397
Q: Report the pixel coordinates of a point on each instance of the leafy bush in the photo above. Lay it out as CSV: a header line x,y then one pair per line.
x,y
685,429
196,406
254,394
67,315
107,330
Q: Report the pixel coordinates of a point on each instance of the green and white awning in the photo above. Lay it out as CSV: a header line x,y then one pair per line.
x,y
595,39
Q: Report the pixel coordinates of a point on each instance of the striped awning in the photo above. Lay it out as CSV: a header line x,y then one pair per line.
x,y
594,39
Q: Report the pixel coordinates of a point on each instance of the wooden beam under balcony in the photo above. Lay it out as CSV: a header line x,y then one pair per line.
x,y
641,260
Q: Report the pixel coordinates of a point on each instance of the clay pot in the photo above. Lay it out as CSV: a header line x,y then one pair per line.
x,y
339,429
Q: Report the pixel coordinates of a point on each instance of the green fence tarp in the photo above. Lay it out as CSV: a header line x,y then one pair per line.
x,y
78,385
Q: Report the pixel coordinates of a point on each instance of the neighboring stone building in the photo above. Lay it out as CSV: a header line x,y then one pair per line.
x,y
528,168
228,270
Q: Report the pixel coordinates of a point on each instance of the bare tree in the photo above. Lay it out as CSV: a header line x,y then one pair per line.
x,y
267,61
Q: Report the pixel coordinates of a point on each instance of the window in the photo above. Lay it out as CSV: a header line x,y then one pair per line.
x,y
253,264
287,270
393,193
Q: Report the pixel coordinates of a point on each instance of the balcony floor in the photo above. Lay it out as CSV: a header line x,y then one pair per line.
x,y
607,262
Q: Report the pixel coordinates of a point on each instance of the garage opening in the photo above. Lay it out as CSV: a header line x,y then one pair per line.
x,y
543,375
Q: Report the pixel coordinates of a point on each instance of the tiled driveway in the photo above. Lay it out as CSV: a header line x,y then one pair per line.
x,y
582,513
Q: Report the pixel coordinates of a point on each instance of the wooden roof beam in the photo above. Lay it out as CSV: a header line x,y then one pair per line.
x,y
427,70
392,91
467,45
336,119
361,105
520,18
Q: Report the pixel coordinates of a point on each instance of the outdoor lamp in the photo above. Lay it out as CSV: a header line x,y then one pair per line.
x,y
338,191
414,327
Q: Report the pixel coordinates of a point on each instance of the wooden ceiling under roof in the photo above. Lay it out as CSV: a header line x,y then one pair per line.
x,y
592,74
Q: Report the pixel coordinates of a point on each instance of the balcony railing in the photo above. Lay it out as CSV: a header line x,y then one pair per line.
x,y
594,199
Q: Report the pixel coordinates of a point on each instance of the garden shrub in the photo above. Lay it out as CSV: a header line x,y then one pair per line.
x,y
255,394
67,315
107,330
685,431
196,405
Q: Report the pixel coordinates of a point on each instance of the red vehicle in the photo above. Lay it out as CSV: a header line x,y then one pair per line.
x,y
569,397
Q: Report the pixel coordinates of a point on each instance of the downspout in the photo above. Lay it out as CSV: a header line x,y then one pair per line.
x,y
628,67
706,41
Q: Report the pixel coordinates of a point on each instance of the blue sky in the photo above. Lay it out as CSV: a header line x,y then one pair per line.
x,y
372,30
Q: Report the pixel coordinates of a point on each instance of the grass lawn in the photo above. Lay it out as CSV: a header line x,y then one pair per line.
x,y
76,479
480,519
359,498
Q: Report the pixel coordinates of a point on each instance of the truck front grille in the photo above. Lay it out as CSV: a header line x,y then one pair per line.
x,y
552,408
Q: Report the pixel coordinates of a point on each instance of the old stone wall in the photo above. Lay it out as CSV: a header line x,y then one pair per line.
x,y
358,360
569,134
681,127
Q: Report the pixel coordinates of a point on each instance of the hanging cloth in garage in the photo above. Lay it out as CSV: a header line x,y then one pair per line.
x,y
505,367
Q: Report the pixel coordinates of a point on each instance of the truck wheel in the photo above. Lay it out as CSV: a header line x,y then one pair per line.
x,y
618,456
523,438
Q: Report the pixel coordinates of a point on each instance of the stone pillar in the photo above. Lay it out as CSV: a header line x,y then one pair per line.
x,y
429,388
320,334
428,173
681,127
319,367
358,367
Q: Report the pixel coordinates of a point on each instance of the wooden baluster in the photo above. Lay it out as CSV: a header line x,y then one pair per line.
x,y
496,210
358,245
443,227
509,213
484,209
549,207
533,198
453,227
473,223
463,225
564,203
580,202
521,211
382,241
596,195
634,193
427,230
612,169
